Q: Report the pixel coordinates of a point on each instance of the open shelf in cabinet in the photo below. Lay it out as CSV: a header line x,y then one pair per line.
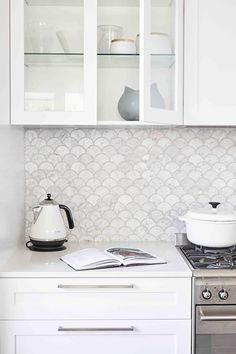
x,y
104,60
54,3
102,3
54,59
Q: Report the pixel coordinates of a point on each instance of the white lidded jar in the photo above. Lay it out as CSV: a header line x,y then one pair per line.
x,y
211,227
123,46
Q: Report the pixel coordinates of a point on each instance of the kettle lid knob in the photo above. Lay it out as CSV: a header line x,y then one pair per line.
x,y
48,200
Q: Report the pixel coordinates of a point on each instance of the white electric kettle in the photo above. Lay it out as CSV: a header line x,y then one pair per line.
x,y
48,232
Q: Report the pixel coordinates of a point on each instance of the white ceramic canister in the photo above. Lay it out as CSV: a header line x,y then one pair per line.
x,y
211,227
123,46
106,33
160,43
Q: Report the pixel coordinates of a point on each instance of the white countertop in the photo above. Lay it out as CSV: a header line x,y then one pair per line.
x,y
21,262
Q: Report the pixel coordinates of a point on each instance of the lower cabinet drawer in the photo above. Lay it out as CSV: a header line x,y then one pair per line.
x,y
100,337
100,298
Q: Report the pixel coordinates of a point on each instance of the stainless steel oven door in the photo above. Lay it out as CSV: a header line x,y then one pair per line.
x,y
215,329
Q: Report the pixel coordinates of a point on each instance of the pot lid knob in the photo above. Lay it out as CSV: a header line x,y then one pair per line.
x,y
214,204
49,196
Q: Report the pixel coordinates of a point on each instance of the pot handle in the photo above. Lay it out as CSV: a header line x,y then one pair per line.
x,y
214,204
69,215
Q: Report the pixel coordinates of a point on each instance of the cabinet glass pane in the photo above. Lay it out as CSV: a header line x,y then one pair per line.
x,y
162,48
118,60
54,55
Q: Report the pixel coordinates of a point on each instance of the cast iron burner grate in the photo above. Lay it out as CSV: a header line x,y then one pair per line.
x,y
210,258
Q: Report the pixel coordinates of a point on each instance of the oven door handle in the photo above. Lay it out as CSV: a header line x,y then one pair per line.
x,y
217,318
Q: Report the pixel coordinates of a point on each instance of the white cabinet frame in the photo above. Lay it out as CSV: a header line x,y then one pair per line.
x,y
4,63
85,117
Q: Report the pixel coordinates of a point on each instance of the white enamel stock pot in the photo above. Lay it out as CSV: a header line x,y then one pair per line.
x,y
211,227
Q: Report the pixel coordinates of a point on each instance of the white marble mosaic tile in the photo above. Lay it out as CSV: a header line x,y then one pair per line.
x,y
130,184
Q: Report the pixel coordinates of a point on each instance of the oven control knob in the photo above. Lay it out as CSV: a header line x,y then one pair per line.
x,y
206,294
223,294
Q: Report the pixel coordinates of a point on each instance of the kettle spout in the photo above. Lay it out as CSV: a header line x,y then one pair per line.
x,y
36,211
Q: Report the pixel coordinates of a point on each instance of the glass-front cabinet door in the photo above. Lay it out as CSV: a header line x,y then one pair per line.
x,y
162,63
87,62
140,61
53,63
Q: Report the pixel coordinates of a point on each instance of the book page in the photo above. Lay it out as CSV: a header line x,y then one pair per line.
x,y
131,256
89,258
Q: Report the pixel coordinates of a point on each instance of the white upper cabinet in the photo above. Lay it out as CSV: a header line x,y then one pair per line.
x,y
88,62
210,62
119,62
53,57
4,64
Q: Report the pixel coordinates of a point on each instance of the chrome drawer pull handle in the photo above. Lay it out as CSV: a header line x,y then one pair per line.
x,y
96,329
98,286
218,318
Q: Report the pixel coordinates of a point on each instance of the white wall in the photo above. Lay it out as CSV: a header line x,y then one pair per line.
x,y
11,185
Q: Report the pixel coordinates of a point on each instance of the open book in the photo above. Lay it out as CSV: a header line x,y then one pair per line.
x,y
92,258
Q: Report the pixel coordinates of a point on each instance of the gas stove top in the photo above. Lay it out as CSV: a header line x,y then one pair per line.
x,y
210,258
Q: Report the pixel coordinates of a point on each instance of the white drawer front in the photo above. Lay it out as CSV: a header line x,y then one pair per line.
x,y
91,298
100,337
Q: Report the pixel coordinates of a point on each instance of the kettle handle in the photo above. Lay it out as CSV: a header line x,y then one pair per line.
x,y
69,215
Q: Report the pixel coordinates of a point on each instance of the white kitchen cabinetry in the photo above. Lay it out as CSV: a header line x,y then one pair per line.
x,y
89,337
210,57
58,315
60,76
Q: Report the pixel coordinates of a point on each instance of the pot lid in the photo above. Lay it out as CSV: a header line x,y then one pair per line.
x,y
48,201
213,214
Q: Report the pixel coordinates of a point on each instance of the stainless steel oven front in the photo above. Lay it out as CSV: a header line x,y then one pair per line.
x,y
215,329
214,314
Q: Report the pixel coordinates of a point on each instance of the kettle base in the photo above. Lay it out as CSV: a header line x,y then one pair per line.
x,y
42,246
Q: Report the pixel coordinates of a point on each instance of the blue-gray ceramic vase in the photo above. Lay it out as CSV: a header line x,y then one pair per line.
x,y
128,105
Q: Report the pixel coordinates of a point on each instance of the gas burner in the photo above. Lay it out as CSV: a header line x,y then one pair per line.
x,y
210,258
220,251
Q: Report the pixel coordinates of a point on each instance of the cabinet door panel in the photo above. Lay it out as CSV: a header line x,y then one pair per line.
x,y
95,298
210,56
165,337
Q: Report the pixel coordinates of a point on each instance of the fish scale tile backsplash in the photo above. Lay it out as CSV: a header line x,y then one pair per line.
x,y
130,184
